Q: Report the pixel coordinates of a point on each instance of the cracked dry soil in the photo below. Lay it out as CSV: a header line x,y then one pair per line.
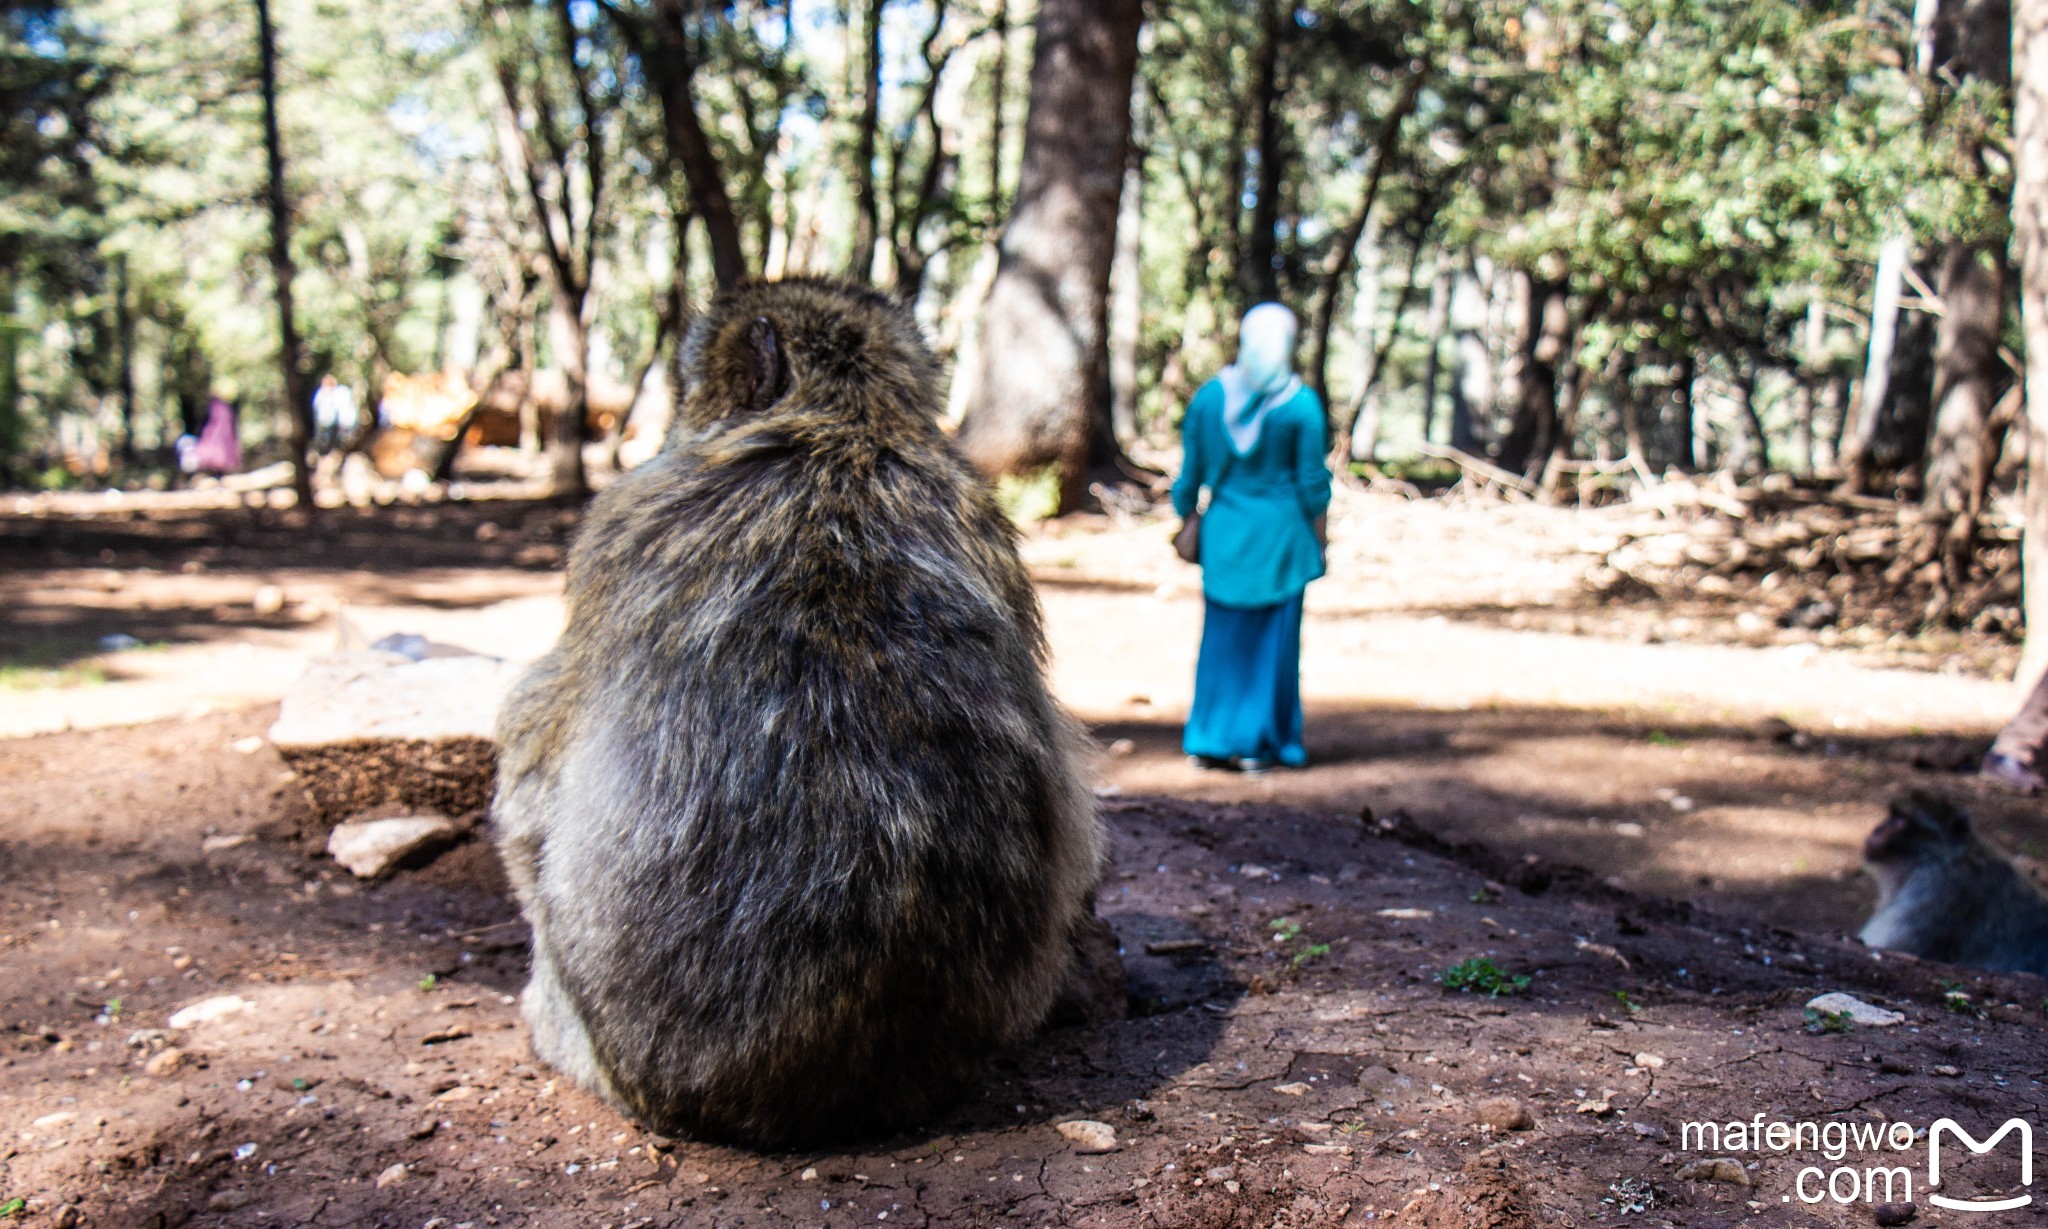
x,y
1290,1060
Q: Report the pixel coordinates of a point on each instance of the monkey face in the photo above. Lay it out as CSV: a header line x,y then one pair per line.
x,y
1918,826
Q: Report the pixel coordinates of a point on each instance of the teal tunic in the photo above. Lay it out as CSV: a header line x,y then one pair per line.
x,y
1258,537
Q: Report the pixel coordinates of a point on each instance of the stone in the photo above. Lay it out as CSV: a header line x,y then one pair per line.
x,y
206,1011
1295,1089
1723,1169
1894,1213
166,1062
221,844
1504,1114
229,1201
391,1177
366,728
369,848
1858,1011
1089,1137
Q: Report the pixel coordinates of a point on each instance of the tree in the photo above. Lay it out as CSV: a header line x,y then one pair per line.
x,y
299,406
565,182
1974,42
2030,237
1040,398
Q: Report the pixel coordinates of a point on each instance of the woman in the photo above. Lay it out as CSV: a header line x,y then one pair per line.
x,y
1253,438
219,450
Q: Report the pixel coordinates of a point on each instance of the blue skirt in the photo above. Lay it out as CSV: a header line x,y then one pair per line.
x,y
1248,685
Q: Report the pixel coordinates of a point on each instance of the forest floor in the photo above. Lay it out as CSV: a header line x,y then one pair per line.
x,y
1500,725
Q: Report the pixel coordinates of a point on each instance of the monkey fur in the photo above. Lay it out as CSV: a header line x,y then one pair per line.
x,y
800,832
1943,894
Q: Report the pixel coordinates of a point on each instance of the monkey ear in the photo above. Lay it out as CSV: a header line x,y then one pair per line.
x,y
767,366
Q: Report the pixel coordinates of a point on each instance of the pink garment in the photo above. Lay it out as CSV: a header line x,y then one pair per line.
x,y
220,448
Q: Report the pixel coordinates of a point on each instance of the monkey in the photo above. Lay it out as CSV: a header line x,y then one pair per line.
x,y
1944,894
801,835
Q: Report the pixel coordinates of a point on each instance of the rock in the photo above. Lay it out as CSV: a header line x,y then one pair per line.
x,y
248,745
1296,1089
391,1177
1894,1213
229,1201
1946,1070
221,844
423,1129
1723,1169
68,1217
58,1119
1089,1137
166,1063
454,1032
1652,1061
371,847
1858,1011
206,1011
367,728
1504,1114
1408,915
269,599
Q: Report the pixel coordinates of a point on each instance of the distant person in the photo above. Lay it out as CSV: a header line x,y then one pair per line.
x,y
219,450
1253,439
2015,758
334,415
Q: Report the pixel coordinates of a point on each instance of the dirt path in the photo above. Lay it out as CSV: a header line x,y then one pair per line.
x,y
1293,1060
157,856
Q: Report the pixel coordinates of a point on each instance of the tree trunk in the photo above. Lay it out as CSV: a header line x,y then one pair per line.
x,y
663,46
1974,41
1330,285
1812,353
1127,290
1860,445
1261,279
997,96
1543,342
867,220
1969,376
1367,416
124,335
2030,237
1041,395
1432,361
1690,456
299,409
10,374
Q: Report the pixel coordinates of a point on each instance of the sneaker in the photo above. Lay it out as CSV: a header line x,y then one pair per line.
x,y
2008,771
1210,763
1252,767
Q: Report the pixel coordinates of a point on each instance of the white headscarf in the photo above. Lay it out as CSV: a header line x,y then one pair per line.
x,y
1263,375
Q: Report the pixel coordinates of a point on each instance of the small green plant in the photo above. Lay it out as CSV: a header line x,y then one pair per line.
x,y
1659,738
1628,1004
1314,951
1958,1000
428,983
1477,974
1819,1022
1284,930
113,1009
1484,896
13,1207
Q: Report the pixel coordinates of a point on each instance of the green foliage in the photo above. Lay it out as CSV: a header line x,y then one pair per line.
x,y
14,1207
1477,974
428,983
1820,1022
1029,498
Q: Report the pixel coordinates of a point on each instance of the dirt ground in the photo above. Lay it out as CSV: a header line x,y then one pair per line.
x,y
1291,1058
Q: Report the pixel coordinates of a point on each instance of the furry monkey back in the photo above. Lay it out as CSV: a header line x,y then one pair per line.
x,y
799,830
